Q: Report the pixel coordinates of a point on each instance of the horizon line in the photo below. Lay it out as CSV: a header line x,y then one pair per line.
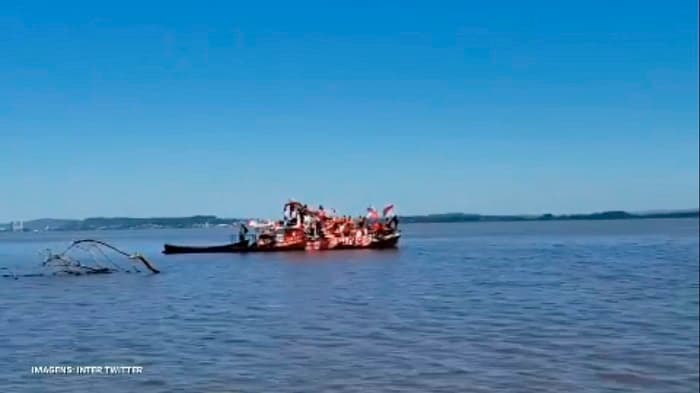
x,y
649,211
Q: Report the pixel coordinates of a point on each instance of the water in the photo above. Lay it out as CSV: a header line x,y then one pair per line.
x,y
599,306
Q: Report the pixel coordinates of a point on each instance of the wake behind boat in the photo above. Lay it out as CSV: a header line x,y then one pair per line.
x,y
305,229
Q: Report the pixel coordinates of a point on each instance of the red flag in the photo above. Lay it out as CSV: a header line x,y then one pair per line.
x,y
372,214
389,209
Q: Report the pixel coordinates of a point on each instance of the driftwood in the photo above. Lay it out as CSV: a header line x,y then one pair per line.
x,y
97,243
89,256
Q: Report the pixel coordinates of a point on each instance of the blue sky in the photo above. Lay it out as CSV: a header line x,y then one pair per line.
x,y
180,108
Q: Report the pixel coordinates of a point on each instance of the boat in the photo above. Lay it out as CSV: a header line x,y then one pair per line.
x,y
307,230
235,248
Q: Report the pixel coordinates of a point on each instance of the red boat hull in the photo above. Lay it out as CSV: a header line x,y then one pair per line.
x,y
326,244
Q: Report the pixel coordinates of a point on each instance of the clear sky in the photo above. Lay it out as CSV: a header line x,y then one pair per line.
x,y
177,108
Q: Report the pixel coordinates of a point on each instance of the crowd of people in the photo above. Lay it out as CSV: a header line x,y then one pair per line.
x,y
321,222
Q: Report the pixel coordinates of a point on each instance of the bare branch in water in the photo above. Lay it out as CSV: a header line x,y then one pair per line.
x,y
89,256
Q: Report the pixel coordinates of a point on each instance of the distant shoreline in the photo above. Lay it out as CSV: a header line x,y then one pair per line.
x,y
203,221
608,215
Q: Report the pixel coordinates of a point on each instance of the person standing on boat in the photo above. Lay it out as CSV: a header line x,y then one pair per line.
x,y
389,214
291,213
318,226
319,221
349,226
393,223
297,219
306,219
242,233
291,216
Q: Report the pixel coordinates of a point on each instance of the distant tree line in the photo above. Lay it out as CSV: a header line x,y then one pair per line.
x,y
111,223
608,215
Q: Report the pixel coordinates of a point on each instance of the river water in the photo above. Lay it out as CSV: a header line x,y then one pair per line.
x,y
586,306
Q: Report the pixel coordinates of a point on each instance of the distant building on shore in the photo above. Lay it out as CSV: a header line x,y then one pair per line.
x,y
17,226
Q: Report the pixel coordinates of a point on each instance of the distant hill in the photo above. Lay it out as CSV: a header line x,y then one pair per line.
x,y
50,224
113,223
608,215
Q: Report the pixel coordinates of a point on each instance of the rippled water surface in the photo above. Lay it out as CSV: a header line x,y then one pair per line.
x,y
597,306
